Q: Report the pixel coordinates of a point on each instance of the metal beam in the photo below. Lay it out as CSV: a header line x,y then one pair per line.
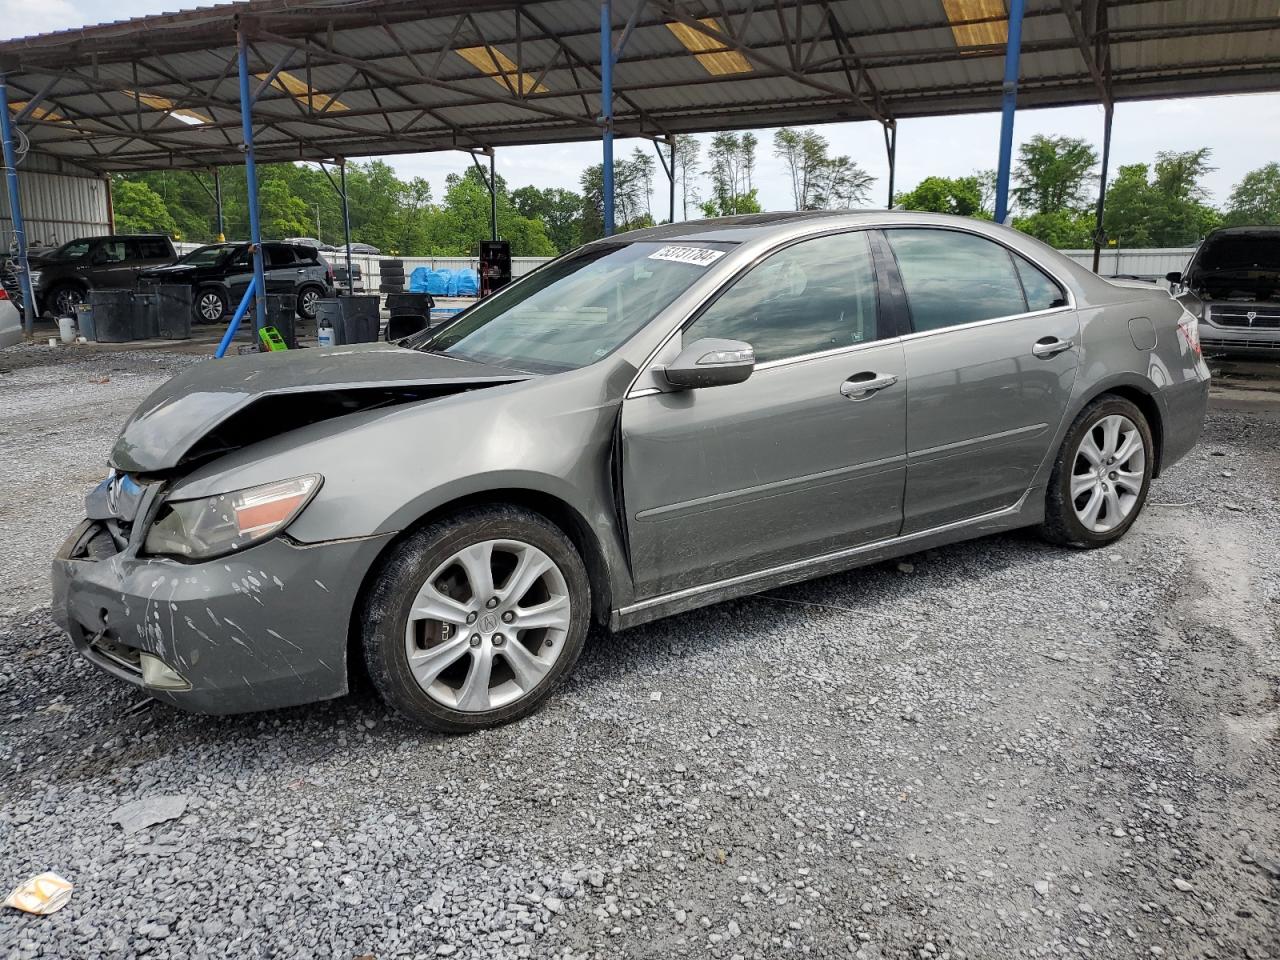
x,y
891,150
1099,234
606,113
755,57
1008,106
15,210
1086,54
251,179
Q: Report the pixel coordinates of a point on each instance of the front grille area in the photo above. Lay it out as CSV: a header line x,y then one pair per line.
x,y
104,540
1237,315
1242,343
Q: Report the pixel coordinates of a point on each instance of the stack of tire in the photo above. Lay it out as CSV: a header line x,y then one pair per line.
x,y
391,276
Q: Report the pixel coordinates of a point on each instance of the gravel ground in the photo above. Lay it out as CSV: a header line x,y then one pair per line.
x,y
996,749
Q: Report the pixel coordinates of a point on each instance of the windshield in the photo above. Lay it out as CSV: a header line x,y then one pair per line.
x,y
71,251
577,309
1244,252
206,256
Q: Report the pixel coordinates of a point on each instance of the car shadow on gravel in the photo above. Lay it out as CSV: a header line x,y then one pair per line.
x,y
722,626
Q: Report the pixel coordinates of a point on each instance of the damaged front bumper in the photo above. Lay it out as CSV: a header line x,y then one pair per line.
x,y
258,630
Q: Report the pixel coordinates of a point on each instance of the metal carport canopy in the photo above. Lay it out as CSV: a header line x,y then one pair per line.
x,y
407,76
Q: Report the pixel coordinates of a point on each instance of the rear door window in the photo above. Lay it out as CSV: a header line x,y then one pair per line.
x,y
810,297
278,255
953,278
149,248
112,251
1041,290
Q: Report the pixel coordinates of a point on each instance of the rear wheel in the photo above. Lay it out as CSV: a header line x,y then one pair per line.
x,y
210,305
474,620
308,297
1100,480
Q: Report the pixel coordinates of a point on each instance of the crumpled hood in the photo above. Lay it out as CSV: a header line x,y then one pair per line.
x,y
220,405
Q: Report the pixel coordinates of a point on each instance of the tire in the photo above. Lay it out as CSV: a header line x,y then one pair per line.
x,y
308,297
63,298
393,264
209,300
391,287
1109,470
425,570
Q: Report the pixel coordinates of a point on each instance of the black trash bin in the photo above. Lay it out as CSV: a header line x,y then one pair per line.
x,y
173,309
146,314
112,315
410,304
282,310
353,319
84,320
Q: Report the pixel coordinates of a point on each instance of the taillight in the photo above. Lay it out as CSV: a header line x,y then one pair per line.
x,y
1189,327
4,295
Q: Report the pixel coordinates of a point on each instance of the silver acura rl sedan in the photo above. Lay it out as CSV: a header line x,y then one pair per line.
x,y
654,422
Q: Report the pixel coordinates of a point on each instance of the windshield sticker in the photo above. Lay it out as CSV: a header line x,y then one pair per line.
x,y
694,256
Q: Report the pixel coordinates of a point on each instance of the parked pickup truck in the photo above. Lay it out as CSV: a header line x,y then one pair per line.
x,y
63,277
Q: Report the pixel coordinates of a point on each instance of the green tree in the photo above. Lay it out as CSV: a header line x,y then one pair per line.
x,y
1064,229
732,160
688,147
559,210
1255,199
1053,173
139,209
961,196
1163,205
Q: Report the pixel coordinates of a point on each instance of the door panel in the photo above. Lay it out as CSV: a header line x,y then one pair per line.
x,y
981,411
729,480
991,360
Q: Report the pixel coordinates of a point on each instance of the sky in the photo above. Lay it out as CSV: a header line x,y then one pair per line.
x,y
1244,131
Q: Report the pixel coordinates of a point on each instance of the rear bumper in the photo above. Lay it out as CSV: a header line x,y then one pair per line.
x,y
263,629
1185,405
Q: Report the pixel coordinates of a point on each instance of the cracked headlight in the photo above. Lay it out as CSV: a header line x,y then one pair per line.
x,y
215,526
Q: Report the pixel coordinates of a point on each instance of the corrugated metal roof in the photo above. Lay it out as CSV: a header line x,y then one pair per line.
x,y
394,66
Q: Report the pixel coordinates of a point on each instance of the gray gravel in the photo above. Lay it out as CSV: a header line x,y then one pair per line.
x,y
996,749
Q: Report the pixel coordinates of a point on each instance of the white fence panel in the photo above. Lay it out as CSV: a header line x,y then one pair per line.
x,y
1140,261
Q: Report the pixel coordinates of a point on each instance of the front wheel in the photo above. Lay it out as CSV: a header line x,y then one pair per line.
x,y
65,298
210,305
1100,479
472,621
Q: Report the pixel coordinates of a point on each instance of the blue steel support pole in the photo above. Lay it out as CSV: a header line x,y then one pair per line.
x,y
606,110
15,209
234,325
251,177
1007,107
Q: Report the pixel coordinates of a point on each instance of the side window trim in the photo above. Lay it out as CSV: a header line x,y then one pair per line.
x,y
909,331
881,334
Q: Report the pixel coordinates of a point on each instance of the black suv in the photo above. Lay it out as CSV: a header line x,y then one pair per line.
x,y
63,277
220,273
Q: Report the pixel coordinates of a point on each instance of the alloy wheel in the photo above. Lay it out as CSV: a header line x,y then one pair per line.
x,y
488,625
1107,473
210,307
68,298
309,300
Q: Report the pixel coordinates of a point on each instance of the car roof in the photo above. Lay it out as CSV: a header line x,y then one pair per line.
x,y
1261,230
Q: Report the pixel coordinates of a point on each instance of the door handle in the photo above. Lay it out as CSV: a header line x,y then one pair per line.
x,y
1047,347
864,386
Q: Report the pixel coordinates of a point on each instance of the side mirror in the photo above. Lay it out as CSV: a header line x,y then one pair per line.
x,y
1173,276
711,362
405,325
